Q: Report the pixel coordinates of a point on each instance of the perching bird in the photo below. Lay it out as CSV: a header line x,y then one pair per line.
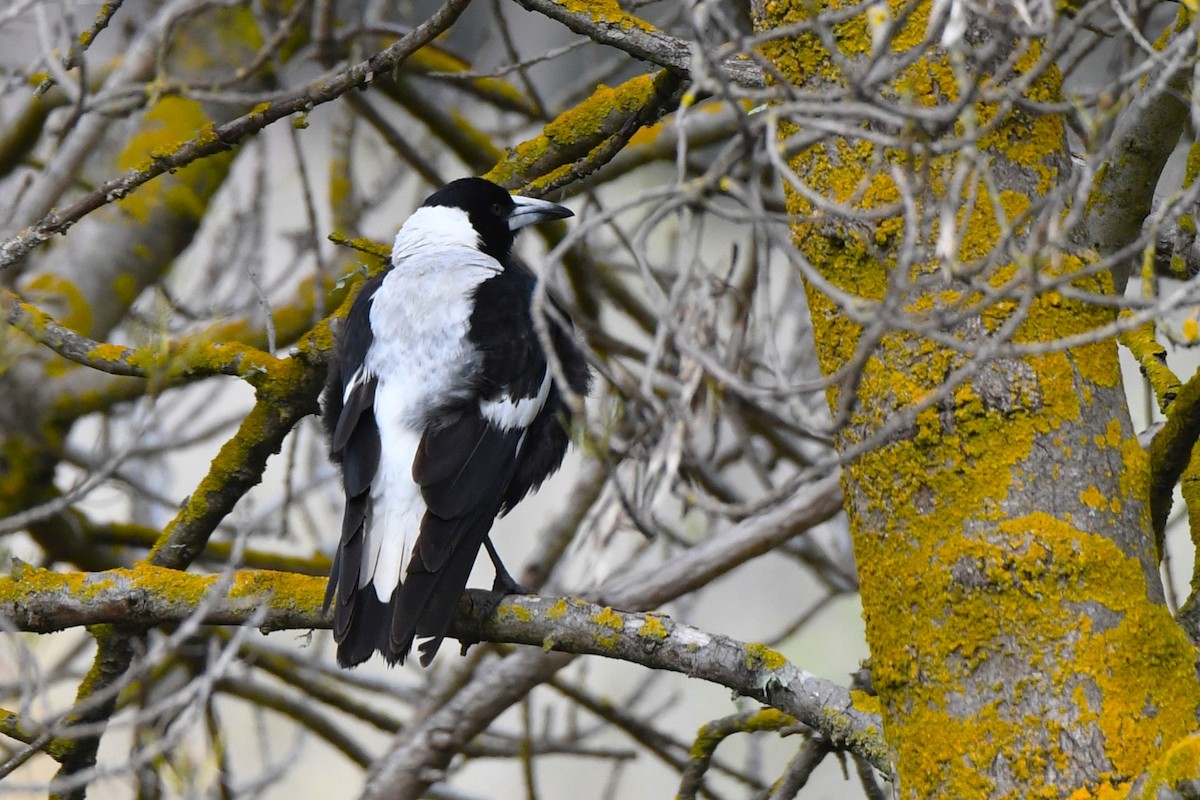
x,y
443,412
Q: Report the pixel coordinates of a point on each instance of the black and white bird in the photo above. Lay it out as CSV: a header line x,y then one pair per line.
x,y
444,412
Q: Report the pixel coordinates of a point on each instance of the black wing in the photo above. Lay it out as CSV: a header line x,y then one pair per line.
x,y
549,434
349,419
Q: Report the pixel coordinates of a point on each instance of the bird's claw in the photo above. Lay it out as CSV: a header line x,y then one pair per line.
x,y
506,585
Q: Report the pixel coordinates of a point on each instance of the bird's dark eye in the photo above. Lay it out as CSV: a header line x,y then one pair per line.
x,y
498,209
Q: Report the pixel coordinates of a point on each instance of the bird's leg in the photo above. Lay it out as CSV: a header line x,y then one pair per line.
x,y
503,586
504,583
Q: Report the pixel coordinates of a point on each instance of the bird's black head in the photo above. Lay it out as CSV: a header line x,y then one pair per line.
x,y
494,213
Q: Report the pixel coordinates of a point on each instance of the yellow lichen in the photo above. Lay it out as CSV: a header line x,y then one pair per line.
x,y
951,519
652,628
1093,497
608,618
125,289
173,121
519,613
607,11
759,656
563,135
65,300
558,610
866,703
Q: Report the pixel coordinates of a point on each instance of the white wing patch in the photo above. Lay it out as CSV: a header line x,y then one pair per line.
x,y
507,413
360,375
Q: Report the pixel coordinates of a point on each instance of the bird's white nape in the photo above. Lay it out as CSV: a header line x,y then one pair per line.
x,y
434,228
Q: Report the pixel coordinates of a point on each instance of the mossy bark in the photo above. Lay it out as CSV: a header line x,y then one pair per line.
x,y
998,505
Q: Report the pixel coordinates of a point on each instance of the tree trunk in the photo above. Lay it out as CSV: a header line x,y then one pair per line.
x,y
998,496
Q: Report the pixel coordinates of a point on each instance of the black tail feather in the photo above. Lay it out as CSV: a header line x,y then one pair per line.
x,y
367,631
423,605
428,598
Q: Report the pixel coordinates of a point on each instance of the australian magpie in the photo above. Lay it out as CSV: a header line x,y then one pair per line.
x,y
443,413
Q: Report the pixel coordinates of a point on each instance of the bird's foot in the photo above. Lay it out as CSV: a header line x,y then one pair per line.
x,y
506,585
484,606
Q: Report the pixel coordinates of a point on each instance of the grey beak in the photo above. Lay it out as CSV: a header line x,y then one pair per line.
x,y
530,210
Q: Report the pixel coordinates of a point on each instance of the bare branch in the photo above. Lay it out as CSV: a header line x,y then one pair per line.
x,y
641,40
224,137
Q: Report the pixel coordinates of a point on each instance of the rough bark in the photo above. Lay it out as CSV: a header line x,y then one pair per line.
x,y
997,494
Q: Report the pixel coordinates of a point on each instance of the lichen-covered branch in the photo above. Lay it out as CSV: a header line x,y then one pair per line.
x,y
608,24
225,358
12,727
1171,450
1145,137
586,136
291,396
1003,530
711,735
229,347
1152,359
43,601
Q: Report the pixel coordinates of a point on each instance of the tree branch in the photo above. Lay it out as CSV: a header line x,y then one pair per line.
x,y
640,39
586,136
713,733
1145,137
193,358
223,137
43,601
427,747
1170,451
